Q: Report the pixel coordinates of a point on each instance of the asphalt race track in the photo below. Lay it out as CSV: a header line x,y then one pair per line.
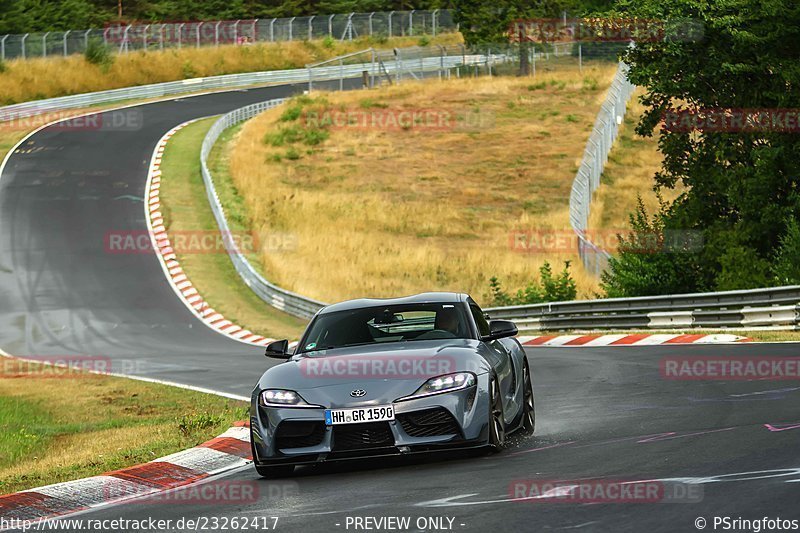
x,y
724,449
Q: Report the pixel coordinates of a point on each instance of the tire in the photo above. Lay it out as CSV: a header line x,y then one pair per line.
x,y
497,426
528,403
273,472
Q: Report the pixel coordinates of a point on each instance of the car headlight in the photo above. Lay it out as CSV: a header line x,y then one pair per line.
x,y
282,398
441,384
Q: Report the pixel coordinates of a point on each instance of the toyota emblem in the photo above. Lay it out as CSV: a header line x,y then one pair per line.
x,y
358,393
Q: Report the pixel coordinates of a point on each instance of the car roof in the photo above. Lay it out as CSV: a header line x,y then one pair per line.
x,y
425,297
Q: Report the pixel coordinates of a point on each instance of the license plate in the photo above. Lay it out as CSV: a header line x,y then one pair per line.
x,y
380,413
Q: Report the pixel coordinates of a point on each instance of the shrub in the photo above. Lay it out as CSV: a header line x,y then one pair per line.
x,y
328,42
786,267
97,53
424,41
292,154
546,289
3,66
188,70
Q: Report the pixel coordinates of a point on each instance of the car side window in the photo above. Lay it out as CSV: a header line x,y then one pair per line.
x,y
480,320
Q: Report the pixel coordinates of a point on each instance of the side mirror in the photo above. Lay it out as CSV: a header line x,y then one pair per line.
x,y
499,329
278,349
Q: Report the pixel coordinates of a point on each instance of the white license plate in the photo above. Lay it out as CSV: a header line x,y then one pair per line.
x,y
379,413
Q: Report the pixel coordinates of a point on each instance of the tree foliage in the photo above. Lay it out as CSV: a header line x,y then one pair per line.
x,y
742,188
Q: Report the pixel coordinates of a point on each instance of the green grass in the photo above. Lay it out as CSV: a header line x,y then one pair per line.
x,y
56,428
185,208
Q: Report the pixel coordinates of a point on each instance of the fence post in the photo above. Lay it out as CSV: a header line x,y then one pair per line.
x,y
161,37
330,25
198,34
44,43
272,30
144,39
180,34
291,21
236,31
433,21
216,33
580,58
390,23
255,30
86,39
310,27
411,23
66,33
372,14
24,38
3,48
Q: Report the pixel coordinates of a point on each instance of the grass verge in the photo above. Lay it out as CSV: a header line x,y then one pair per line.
x,y
378,209
186,209
60,426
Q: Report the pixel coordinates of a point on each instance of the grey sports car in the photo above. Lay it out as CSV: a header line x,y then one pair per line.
x,y
376,377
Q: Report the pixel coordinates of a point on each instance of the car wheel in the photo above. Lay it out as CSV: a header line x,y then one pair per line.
x,y
272,472
497,426
528,405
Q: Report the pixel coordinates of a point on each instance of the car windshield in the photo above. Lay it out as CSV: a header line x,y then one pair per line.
x,y
394,323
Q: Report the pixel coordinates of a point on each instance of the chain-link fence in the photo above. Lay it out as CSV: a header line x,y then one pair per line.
x,y
129,37
595,156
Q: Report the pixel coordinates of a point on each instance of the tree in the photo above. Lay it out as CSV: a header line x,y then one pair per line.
x,y
742,187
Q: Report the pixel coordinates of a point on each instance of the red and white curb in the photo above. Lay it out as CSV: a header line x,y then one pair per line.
x,y
177,278
640,339
226,452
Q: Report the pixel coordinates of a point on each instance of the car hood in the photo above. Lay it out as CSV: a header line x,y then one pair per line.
x,y
386,372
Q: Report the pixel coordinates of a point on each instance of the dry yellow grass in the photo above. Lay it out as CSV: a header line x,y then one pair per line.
x,y
39,78
382,212
632,163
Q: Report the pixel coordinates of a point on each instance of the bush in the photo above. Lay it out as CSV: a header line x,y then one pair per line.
x,y
97,53
188,70
328,42
786,266
424,41
546,289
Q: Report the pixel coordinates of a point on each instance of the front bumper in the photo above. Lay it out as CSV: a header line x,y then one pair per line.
x,y
453,420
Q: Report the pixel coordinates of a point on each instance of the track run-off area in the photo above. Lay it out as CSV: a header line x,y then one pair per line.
x,y
718,448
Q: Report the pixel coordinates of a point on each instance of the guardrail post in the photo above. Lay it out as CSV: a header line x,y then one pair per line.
x,y
310,27
341,74
309,80
272,30
66,33
22,42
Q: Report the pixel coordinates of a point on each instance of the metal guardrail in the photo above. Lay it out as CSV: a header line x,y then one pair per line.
x,y
275,296
776,306
595,156
25,110
129,37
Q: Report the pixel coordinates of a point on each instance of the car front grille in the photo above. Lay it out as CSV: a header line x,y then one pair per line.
x,y
360,436
429,423
299,434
